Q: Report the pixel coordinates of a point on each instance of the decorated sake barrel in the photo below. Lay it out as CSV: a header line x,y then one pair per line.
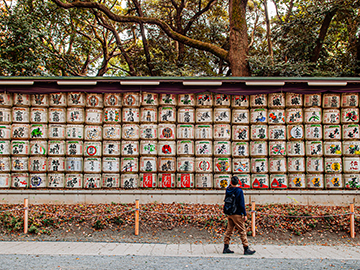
x,y
296,164
312,116
20,131
167,131
222,115
278,181
222,100
259,132
314,165
56,180
92,165
110,164
349,115
351,148
276,100
111,148
221,181
148,148
131,99
5,164
5,132
185,148
313,132
56,164
244,181
38,148
185,164
149,99
74,180
40,100
75,132
148,164
129,180
112,100
186,115
203,148
76,99
75,115
38,132
130,148
295,148
92,149
277,148
93,133
352,181
240,101
94,117
94,100
259,100
167,114
297,180
185,180
111,132
203,132
241,165
351,164
222,132
186,132
260,181
21,99
204,100
315,180
204,115
130,115
129,165
20,115
222,165
74,148
110,180
38,180
258,148
148,180
5,180
312,100
277,133
20,148
350,132
222,148
295,132
331,101
203,165
294,116
333,165
5,116
259,165
314,148
167,99
186,100
203,180
293,100
148,115
19,180
4,148
57,115
333,149
334,181
349,100
332,132
240,116
276,117
258,116
112,115
331,116
167,164
57,100
37,164
240,149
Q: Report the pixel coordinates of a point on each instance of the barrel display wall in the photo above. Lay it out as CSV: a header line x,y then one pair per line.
x,y
149,140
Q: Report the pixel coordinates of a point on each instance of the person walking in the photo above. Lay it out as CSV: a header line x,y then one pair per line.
x,y
237,219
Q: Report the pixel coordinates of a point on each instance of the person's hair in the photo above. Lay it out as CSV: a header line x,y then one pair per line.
x,y
234,180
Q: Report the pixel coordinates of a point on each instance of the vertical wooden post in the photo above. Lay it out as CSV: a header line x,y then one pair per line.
x,y
253,219
352,220
137,208
26,215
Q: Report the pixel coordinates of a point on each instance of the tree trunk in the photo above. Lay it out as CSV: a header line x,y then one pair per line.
x,y
268,31
238,39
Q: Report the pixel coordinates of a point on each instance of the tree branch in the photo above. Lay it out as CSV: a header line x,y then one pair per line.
x,y
198,14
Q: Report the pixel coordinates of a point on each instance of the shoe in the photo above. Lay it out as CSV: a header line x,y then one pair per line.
x,y
248,251
226,249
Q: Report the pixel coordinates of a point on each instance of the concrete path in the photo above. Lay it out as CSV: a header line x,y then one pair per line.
x,y
179,250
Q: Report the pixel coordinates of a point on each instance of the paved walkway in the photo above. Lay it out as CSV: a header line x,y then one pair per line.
x,y
182,250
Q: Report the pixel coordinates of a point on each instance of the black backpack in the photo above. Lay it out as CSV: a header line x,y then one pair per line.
x,y
230,204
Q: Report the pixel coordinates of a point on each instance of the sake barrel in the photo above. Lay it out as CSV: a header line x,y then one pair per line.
x,y
204,100
131,99
38,148
167,164
111,148
56,164
148,164
240,116
295,132
260,181
204,115
296,164
312,100
222,100
334,181
93,133
203,148
222,115
352,181
315,181
185,164
241,165
222,132
332,149
149,99
74,148
185,148
94,117
75,115
40,100
148,115
293,100
148,180
312,116
185,180
112,115
57,100
73,180
239,101
75,132
276,117
92,149
276,100
130,115
258,116
314,148
37,164
19,180
259,165
20,131
351,164
186,115
203,165
222,148
5,180
278,181
167,131
110,180
277,148
21,99
5,132
94,100
5,164
186,132
167,114
203,132
240,149
20,115
351,148
332,132
186,100
148,148
222,165
129,165
38,180
294,116
333,165
313,132
295,149
297,180
129,180
259,132
258,148
221,181
349,100
4,148
112,100
331,100
20,148
331,116
92,165
167,99
5,116
76,99
259,100
244,181
110,164
130,148
314,165
57,115
111,132
277,133
350,132
349,115
38,132
203,180
56,180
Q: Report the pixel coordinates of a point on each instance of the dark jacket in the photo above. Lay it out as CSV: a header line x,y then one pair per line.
x,y
239,197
